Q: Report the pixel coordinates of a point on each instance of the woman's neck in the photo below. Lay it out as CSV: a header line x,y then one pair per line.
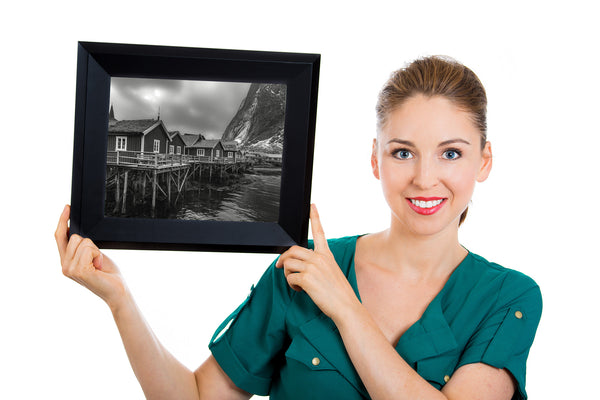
x,y
418,257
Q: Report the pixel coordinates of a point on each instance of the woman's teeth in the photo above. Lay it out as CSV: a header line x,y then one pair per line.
x,y
426,204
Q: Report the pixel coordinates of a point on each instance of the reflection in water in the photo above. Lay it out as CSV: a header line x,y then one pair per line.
x,y
255,197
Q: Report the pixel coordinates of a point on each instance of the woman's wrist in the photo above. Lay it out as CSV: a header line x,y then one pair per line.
x,y
347,315
120,303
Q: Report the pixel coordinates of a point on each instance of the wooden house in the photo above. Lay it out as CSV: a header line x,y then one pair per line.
x,y
190,139
261,158
177,145
232,153
140,135
210,150
275,159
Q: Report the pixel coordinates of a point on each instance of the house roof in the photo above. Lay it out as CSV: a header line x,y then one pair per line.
x,y
132,125
230,146
189,139
176,133
205,144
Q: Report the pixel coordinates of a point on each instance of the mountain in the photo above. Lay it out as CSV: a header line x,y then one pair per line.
x,y
259,122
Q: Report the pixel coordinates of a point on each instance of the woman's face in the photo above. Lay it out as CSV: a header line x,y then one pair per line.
x,y
428,157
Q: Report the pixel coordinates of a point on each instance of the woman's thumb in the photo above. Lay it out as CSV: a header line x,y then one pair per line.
x,y
98,261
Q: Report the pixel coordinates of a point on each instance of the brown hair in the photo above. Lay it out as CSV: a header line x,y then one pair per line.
x,y
436,76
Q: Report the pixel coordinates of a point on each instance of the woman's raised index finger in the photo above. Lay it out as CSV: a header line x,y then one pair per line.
x,y
317,230
61,231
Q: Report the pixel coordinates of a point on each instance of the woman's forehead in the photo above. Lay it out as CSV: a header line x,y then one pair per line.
x,y
424,119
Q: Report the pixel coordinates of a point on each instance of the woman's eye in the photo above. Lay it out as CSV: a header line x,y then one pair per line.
x,y
403,154
451,154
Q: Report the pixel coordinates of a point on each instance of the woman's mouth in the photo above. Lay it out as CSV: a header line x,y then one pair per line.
x,y
426,206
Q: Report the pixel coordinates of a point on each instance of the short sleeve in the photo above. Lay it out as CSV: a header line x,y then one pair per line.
x,y
505,336
248,344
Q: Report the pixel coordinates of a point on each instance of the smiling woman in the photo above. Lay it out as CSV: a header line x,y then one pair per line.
x,y
437,76
428,151
404,313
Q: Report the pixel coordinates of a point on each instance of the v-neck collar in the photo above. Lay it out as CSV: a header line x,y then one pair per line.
x,y
430,335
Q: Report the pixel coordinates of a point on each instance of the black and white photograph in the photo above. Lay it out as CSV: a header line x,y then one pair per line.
x,y
194,150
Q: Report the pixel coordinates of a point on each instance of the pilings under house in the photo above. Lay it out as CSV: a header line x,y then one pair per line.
x,y
132,173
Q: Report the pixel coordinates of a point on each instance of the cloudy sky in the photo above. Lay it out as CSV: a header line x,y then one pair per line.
x,y
187,106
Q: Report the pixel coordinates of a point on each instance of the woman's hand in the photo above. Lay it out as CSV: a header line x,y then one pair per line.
x,y
83,262
317,273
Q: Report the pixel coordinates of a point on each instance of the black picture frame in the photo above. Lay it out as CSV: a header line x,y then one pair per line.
x,y
98,62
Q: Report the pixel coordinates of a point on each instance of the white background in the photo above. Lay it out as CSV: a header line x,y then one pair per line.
x,y
536,213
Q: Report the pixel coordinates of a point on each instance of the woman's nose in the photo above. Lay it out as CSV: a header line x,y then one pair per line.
x,y
425,175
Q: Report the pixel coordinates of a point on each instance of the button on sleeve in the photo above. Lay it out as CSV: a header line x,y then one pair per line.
x,y
504,338
249,349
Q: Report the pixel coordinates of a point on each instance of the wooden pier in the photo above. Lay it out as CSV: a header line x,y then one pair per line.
x,y
133,174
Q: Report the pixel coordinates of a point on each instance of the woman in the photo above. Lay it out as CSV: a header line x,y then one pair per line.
x,y
401,314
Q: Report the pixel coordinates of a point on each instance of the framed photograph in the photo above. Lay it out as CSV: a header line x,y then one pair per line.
x,y
193,149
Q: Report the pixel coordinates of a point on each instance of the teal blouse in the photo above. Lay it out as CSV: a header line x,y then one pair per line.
x,y
278,342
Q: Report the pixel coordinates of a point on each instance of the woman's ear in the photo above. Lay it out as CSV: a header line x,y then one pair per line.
x,y
374,161
486,163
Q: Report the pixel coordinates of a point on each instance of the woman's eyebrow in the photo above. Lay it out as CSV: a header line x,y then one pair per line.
x,y
451,141
401,141
442,144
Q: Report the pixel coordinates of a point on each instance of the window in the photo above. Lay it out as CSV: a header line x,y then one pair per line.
x,y
178,150
200,152
121,143
217,153
171,149
156,147
229,154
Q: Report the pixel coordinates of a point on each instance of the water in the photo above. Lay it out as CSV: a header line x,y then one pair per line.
x,y
254,197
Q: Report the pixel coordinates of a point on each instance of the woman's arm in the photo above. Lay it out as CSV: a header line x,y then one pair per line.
x,y
159,373
387,376
383,371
